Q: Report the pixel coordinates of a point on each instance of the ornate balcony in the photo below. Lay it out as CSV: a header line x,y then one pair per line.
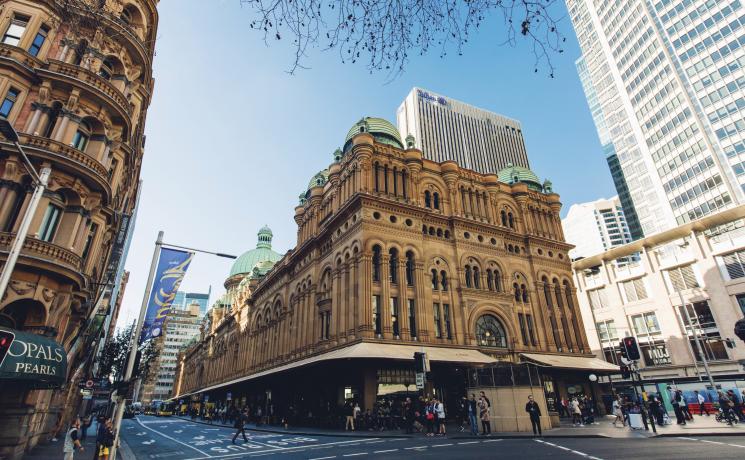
x,y
20,56
43,255
100,84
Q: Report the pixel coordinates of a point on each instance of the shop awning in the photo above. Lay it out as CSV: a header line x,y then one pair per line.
x,y
366,350
37,361
571,362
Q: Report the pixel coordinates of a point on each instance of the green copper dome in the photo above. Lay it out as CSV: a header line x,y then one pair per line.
x,y
319,179
263,253
512,174
261,269
382,130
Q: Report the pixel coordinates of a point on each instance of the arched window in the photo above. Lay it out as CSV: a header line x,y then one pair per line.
x,y
503,215
393,265
82,136
511,220
436,200
490,332
468,276
409,268
427,199
476,278
489,280
517,292
524,290
424,229
376,263
568,294
497,281
547,293
444,280
107,68
439,233
126,16
377,176
434,279
557,291
447,234
52,118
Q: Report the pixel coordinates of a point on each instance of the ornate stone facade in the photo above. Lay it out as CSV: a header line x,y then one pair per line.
x,y
394,249
75,82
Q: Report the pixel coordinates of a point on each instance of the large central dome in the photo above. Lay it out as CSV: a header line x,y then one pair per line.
x,y
382,130
263,253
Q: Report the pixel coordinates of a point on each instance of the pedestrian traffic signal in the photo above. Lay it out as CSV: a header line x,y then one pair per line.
x,y
421,366
624,355
632,350
740,329
6,338
625,371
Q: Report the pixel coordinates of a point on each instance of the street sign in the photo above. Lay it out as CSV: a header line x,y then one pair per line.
x,y
229,396
420,380
89,384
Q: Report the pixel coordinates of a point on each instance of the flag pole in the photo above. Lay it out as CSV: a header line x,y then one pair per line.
x,y
121,399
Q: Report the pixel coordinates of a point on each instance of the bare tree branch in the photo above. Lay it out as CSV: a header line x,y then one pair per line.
x,y
386,32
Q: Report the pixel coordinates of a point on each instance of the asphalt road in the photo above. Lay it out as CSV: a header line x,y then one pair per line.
x,y
172,438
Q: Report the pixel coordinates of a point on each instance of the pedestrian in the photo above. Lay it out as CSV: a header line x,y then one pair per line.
x,y
429,414
726,405
684,406
677,400
576,412
84,425
440,411
484,416
483,396
656,410
101,420
349,412
618,412
106,440
72,440
357,412
736,405
473,413
535,415
240,425
409,416
701,404
564,406
462,413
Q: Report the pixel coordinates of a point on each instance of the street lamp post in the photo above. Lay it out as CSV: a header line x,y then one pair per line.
x,y
121,399
41,181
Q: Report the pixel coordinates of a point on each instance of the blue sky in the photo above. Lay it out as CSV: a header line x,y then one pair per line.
x,y
232,139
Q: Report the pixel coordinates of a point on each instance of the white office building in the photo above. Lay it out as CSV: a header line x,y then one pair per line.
x,y
668,78
699,264
446,129
595,227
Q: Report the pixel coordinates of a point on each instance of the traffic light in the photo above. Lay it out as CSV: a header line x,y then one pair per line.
x,y
740,329
624,355
122,387
632,350
730,343
6,338
625,371
421,366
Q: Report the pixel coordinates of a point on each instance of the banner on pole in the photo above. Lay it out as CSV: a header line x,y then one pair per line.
x,y
172,266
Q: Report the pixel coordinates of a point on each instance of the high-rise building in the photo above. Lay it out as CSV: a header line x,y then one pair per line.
x,y
75,82
446,129
202,300
182,326
668,78
595,227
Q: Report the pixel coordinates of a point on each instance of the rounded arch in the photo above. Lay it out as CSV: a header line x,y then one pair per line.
x,y
372,242
498,312
111,66
23,313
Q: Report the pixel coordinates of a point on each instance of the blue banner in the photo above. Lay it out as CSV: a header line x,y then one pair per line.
x,y
172,266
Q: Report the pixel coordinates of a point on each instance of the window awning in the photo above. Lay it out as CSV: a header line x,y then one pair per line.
x,y
38,361
366,350
571,362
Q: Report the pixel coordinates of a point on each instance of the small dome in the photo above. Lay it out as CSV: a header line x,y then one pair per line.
x,y
319,179
382,130
513,174
261,269
263,252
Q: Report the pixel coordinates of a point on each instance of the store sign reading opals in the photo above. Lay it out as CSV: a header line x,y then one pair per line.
x,y
36,359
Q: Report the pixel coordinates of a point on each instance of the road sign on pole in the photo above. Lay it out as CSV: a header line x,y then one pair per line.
x,y
420,379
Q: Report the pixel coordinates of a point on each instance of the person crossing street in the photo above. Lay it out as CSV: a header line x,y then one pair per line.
x,y
240,425
534,411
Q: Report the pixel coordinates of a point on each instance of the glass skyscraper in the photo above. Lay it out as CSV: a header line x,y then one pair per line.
x,y
668,87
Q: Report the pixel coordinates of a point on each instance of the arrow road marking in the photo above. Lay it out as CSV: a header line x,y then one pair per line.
x,y
198,437
142,434
148,442
179,431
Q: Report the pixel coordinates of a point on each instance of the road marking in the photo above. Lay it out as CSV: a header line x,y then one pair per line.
x,y
354,455
276,449
467,442
375,442
713,442
576,452
493,440
147,443
323,458
384,451
172,439
442,445
415,447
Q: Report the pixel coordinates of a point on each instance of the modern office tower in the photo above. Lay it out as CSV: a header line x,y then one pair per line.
x,y
181,327
183,300
669,82
610,152
446,129
595,227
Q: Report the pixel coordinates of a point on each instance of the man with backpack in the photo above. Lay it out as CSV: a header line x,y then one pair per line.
x,y
240,425
72,441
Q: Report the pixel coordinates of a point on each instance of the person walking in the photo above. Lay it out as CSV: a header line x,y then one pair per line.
x,y
736,405
656,411
462,414
484,416
240,425
72,440
84,425
106,440
535,415
618,412
473,412
677,401
576,412
684,406
349,412
726,405
440,411
701,404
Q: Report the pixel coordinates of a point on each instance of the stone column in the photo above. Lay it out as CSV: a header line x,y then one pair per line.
x,y
355,297
421,301
364,320
33,122
385,295
544,313
337,322
403,303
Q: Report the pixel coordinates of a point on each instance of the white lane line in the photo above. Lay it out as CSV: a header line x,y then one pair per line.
x,y
384,451
415,447
354,455
467,442
274,450
493,440
375,442
172,439
576,452
322,458
713,442
442,445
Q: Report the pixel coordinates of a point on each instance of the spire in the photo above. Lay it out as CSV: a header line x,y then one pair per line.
x,y
265,238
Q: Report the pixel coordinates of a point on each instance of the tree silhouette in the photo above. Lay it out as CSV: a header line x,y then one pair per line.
x,y
386,32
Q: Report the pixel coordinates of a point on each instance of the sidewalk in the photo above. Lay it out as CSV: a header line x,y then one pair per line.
x,y
53,450
701,426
